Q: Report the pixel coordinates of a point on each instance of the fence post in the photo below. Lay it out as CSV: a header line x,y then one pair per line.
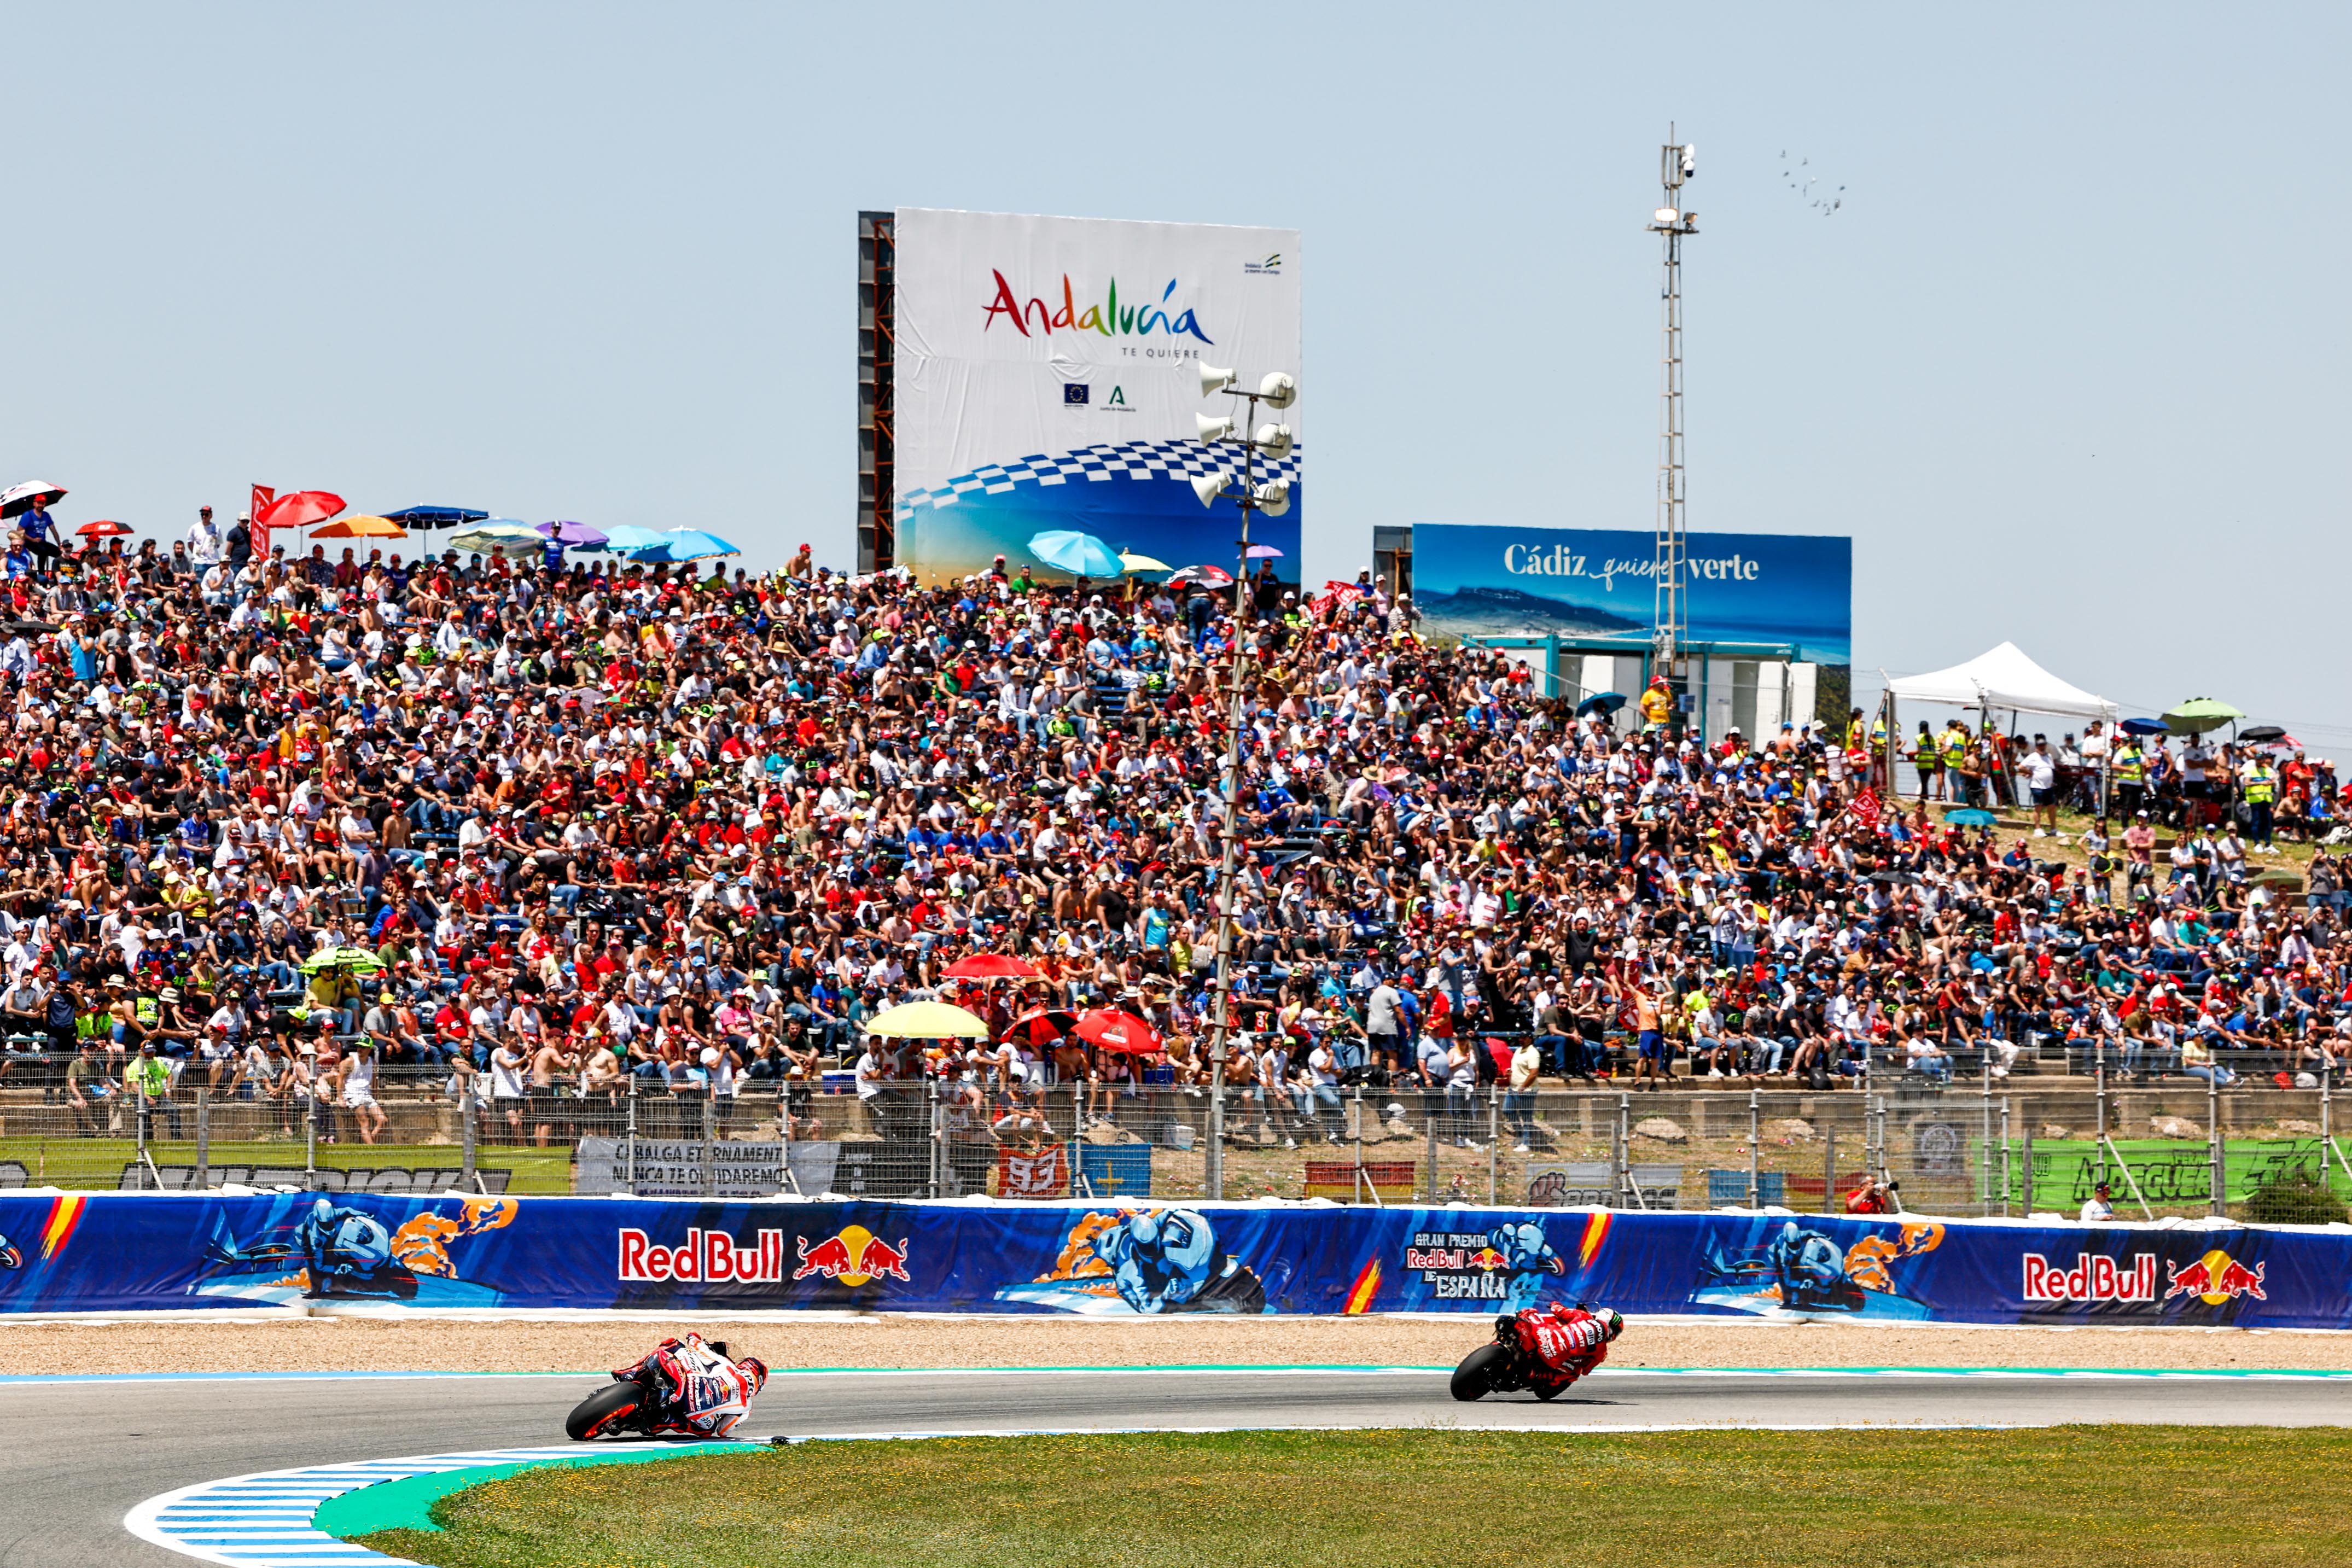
x,y
1984,1145
2216,1153
138,1134
1494,1139
2025,1158
1755,1139
2006,1177
939,1134
1429,1183
2099,1099
311,1129
709,1142
204,1135
630,1167
1356,1193
1829,1171
1215,1156
469,1133
1619,1152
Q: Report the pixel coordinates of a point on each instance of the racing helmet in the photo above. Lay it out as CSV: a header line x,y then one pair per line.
x,y
1613,1321
756,1370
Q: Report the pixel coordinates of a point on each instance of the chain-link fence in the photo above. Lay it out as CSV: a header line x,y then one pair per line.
x,y
2165,1147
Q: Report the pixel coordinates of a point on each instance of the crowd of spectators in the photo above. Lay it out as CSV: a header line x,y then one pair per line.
x,y
597,828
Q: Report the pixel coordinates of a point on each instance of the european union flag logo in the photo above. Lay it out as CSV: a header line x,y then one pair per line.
x,y
1074,391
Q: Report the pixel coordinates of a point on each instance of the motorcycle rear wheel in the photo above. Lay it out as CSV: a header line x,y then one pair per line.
x,y
607,1410
1470,1379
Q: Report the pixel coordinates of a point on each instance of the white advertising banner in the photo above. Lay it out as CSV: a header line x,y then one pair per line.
x,y
1047,377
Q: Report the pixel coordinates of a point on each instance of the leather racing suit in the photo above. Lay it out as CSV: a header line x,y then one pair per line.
x,y
1560,1344
699,1390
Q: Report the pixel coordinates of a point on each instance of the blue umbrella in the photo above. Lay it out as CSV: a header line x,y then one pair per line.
x,y
684,544
1082,555
623,538
2143,726
1600,702
578,536
1970,817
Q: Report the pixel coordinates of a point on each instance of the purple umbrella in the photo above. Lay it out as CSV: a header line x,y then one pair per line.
x,y
580,536
1262,552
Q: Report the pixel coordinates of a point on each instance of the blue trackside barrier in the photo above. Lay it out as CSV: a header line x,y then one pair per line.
x,y
1122,1255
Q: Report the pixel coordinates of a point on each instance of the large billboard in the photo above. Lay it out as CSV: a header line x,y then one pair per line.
x,y
1047,377
1479,580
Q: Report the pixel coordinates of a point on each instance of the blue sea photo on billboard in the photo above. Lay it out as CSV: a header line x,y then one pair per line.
x,y
1479,580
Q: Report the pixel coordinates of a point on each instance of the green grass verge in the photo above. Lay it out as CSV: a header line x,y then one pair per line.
x,y
2150,1496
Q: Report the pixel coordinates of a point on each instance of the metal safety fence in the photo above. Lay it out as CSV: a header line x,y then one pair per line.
x,y
2016,1147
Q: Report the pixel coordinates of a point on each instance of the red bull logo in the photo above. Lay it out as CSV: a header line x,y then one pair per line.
x,y
853,1256
1487,1258
705,1257
2091,1279
2216,1280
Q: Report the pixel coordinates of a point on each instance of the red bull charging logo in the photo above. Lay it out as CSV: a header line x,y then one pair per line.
x,y
705,1257
2216,1280
853,1256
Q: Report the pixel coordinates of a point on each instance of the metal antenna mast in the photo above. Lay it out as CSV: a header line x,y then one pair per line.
x,y
1676,164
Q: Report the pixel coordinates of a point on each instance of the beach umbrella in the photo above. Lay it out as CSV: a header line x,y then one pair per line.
x,y
1039,1025
360,528
1261,552
2142,726
436,516
22,497
577,535
2198,715
1600,702
1203,577
340,958
622,537
103,528
926,1020
1134,562
499,533
682,544
1970,817
299,510
991,966
1082,555
1119,1031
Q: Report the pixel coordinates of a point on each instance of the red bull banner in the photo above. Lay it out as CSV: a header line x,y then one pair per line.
x,y
130,1252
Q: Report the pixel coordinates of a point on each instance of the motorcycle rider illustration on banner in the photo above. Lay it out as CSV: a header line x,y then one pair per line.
x,y
1800,1269
345,1251
1528,1261
9,1257
1541,1349
685,1387
1148,1261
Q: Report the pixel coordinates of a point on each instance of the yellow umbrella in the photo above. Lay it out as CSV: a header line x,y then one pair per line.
x,y
926,1020
361,529
1134,562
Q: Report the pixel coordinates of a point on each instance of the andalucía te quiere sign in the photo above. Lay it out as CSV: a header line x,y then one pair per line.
x,y
1473,580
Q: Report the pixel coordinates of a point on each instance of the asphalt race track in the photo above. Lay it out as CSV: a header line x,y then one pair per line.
x,y
86,1451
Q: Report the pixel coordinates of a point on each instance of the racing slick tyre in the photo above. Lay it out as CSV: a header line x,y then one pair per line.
x,y
1470,1378
606,1410
1548,1392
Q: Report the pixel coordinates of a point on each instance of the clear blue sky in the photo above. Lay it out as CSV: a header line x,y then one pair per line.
x,y
2064,365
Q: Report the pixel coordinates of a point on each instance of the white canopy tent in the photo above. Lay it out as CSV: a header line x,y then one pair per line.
x,y
2003,678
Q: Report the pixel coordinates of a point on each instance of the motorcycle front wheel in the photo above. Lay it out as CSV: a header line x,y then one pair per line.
x,y
606,1410
1470,1379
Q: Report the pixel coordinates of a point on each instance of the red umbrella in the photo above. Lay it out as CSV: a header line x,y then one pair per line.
x,y
991,966
104,529
299,510
1123,1032
1042,1024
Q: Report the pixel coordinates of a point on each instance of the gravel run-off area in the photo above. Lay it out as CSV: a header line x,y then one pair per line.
x,y
592,1341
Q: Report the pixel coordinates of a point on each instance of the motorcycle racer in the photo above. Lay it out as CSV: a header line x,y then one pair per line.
x,y
696,1386
1561,1343
342,1241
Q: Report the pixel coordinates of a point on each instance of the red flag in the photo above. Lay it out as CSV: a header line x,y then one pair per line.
x,y
255,509
1865,805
